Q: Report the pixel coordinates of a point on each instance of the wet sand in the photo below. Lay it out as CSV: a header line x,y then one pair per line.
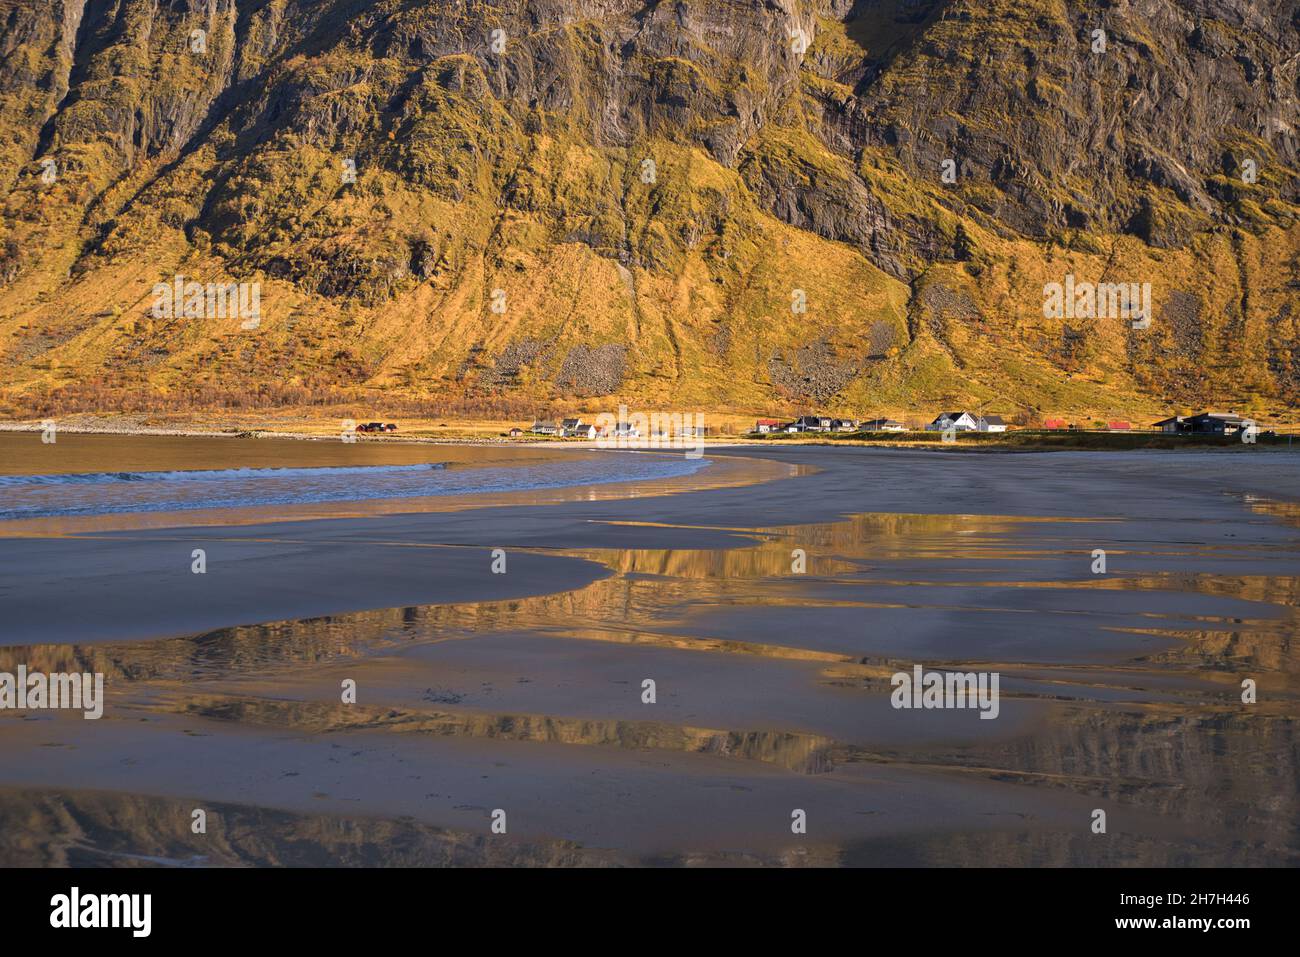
x,y
522,691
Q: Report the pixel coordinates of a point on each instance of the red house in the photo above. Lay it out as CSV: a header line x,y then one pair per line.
x,y
1055,424
1119,426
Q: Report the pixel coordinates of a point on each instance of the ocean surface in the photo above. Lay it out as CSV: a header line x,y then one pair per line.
x,y
82,475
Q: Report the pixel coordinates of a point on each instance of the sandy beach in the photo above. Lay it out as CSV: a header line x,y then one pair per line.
x,y
522,691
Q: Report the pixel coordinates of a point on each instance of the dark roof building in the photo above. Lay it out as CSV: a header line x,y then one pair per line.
x,y
1206,423
811,423
1218,423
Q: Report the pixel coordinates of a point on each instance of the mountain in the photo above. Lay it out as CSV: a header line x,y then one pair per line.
x,y
718,204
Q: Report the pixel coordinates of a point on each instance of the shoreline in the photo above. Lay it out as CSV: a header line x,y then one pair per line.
x,y
675,514
625,482
233,432
1016,441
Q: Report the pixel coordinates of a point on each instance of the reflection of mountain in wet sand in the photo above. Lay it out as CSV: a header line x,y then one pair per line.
x,y
1119,692
97,829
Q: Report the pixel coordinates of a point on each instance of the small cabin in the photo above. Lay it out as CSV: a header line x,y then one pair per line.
x,y
882,425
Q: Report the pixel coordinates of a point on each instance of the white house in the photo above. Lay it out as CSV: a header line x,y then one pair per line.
x,y
991,423
576,428
959,421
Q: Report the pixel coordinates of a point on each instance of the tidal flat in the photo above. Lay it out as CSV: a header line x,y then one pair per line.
x,y
769,597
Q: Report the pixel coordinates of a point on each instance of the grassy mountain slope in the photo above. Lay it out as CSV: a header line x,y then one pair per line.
x,y
624,203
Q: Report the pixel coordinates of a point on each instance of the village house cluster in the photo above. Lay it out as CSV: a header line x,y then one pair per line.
x,y
565,428
960,421
578,429
1204,423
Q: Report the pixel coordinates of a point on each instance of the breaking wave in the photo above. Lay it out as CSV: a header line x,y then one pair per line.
x,y
100,493
208,475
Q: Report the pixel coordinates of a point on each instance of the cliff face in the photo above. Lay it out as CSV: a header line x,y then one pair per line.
x,y
713,204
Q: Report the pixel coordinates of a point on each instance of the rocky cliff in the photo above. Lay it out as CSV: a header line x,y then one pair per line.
x,y
740,204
